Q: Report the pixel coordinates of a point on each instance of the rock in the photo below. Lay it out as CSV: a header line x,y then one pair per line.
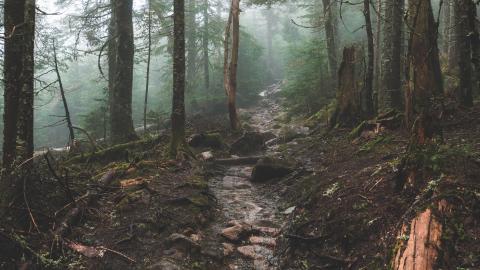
x,y
249,143
264,241
268,168
289,210
228,249
253,251
165,264
237,231
273,232
212,140
182,243
289,133
206,155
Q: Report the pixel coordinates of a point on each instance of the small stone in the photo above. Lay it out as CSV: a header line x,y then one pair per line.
x,y
206,155
228,249
264,241
253,251
268,168
289,210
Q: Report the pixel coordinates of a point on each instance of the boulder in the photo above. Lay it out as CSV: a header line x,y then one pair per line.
x,y
237,231
182,243
268,169
211,140
250,142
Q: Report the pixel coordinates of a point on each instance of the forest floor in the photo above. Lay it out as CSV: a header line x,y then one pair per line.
x,y
334,206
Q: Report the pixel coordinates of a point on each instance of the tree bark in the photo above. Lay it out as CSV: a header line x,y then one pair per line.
x,y
191,32
424,78
390,96
348,112
13,64
178,100
147,77
25,116
475,41
331,22
230,68
446,25
367,102
121,121
205,43
378,52
463,94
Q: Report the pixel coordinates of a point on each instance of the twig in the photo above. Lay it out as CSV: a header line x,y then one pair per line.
x,y
27,204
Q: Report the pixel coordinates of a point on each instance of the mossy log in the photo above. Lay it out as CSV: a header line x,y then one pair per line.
x,y
116,152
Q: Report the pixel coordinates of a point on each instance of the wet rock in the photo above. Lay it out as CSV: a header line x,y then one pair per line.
x,y
253,251
228,249
182,243
273,232
249,143
263,241
290,133
268,168
237,231
165,264
206,155
212,140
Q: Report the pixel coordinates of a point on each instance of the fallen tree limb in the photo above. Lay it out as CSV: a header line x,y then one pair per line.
x,y
71,217
238,161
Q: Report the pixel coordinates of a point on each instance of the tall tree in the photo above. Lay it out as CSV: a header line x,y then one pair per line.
x,y
25,106
13,55
205,46
178,100
331,24
191,36
424,77
367,105
149,58
390,96
231,61
475,40
121,121
463,94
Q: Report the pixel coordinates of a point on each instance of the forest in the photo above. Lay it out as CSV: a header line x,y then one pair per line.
x,y
240,134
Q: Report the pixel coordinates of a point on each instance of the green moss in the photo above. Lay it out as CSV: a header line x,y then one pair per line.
x,y
116,152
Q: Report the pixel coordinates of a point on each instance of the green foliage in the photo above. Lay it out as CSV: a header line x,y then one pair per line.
x,y
305,89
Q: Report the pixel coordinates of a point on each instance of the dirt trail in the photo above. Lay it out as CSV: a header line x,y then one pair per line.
x,y
246,208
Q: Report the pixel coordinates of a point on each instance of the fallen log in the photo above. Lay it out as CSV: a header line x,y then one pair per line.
x,y
238,161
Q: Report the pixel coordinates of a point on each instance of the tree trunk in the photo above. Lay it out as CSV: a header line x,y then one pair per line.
x,y
147,77
269,36
424,78
378,52
121,122
331,21
463,94
452,55
25,116
191,32
62,93
367,100
230,68
13,55
112,63
446,25
348,112
475,41
390,96
178,104
205,43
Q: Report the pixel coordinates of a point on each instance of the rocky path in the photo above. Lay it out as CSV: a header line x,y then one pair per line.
x,y
250,221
